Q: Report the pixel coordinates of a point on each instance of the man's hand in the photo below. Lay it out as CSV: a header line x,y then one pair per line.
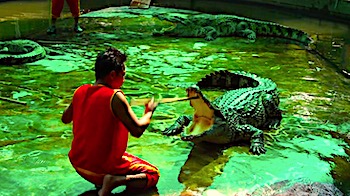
x,y
151,105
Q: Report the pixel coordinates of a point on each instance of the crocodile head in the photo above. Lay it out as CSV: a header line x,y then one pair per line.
x,y
20,52
15,48
174,17
205,118
179,25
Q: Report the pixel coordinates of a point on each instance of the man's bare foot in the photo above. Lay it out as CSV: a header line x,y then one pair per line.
x,y
109,183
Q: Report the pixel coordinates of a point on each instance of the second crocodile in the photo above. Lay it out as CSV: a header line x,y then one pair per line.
x,y
212,26
15,52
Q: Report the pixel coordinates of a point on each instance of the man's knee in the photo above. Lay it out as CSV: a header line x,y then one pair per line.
x,y
152,178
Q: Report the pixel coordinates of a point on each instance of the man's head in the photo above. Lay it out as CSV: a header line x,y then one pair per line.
x,y
108,61
110,68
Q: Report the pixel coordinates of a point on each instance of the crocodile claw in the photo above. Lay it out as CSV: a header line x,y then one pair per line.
x,y
252,38
187,138
257,149
157,33
193,138
175,128
178,126
209,38
172,131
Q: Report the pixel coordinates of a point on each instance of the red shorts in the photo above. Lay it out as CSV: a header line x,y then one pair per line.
x,y
137,166
57,6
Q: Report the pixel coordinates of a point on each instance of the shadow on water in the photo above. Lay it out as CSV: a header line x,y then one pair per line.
x,y
149,192
199,171
335,50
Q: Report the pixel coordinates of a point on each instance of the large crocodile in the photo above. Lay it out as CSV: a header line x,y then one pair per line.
x,y
240,114
212,26
20,52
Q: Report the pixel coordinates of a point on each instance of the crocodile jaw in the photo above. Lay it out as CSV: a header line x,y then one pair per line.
x,y
203,118
199,125
169,30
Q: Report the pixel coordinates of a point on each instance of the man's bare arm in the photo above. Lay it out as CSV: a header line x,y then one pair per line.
x,y
124,112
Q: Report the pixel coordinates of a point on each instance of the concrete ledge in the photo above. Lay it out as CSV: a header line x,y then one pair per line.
x,y
338,8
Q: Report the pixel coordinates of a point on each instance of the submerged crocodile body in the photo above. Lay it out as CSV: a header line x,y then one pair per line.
x,y
16,52
212,26
249,105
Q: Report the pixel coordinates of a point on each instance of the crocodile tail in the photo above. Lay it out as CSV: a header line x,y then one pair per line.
x,y
227,80
277,30
21,51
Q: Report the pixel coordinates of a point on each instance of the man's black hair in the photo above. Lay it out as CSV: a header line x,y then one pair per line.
x,y
109,60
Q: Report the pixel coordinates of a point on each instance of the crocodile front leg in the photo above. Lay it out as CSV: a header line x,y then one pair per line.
x,y
256,138
274,114
250,34
211,33
273,119
178,125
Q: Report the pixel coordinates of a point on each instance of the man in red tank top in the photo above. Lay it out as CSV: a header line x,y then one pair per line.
x,y
102,120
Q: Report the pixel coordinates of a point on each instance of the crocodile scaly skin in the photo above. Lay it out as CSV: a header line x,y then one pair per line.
x,y
17,52
211,26
249,104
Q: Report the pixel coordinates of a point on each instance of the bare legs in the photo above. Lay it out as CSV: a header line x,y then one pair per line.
x,y
53,21
137,182
77,28
52,29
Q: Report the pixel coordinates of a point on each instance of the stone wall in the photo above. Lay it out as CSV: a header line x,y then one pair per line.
x,y
333,9
337,8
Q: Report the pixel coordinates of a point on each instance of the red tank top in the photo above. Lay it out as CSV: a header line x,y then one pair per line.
x,y
100,138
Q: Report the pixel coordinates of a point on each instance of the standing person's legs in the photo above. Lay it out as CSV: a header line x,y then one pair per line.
x,y
74,6
56,9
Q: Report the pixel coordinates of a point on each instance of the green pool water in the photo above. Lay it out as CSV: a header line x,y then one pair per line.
x,y
311,145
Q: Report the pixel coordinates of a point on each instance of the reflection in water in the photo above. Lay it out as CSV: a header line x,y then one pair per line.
x,y
17,30
23,18
204,163
24,10
149,192
346,58
335,51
